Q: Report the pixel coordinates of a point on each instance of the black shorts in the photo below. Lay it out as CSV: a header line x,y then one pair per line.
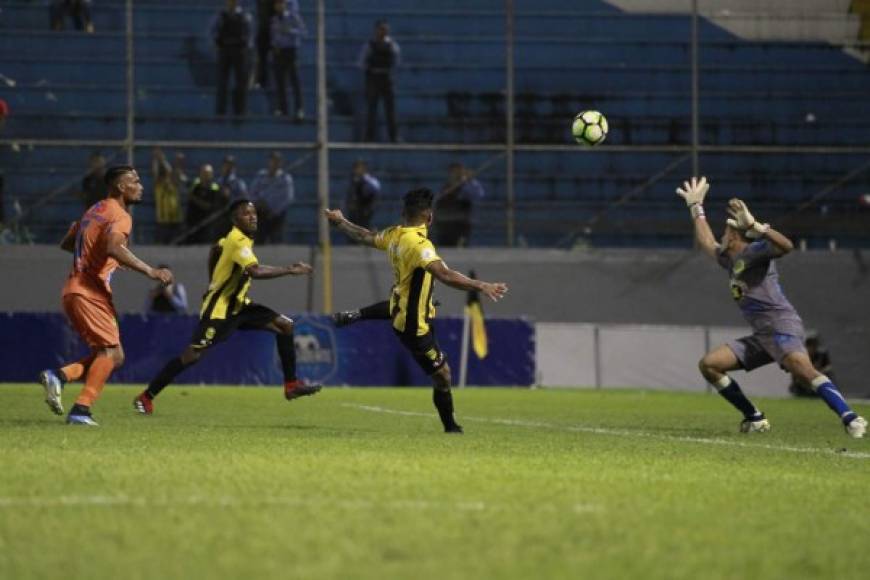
x,y
425,351
214,330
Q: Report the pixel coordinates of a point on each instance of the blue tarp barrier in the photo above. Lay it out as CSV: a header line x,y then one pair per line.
x,y
367,353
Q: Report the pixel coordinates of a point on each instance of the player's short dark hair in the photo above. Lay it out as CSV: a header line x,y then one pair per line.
x,y
237,203
417,201
114,173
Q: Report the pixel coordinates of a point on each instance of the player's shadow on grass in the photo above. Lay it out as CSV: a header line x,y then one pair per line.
x,y
321,428
14,422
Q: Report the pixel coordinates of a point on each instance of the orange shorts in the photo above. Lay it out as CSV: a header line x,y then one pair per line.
x,y
94,319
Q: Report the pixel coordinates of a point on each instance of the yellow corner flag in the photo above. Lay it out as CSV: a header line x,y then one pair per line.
x,y
474,311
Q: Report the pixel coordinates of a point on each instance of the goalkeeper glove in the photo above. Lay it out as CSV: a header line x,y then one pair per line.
x,y
693,192
742,220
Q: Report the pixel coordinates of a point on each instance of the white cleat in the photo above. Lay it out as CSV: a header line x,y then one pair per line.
x,y
53,389
757,425
857,427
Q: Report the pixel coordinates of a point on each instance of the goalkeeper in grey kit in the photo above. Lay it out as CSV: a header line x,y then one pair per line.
x,y
747,250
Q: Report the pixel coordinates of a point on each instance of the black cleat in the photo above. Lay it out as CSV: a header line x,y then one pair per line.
x,y
344,318
455,428
297,388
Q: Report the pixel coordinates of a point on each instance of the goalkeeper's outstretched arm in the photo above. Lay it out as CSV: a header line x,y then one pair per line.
x,y
693,192
782,244
357,233
704,236
741,219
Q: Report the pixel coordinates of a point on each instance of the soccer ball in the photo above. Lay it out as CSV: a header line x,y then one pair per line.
x,y
589,128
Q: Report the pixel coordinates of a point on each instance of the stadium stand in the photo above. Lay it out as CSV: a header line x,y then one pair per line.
x,y
631,65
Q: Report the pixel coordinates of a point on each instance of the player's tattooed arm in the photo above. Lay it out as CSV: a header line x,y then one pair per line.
x,y
357,233
117,248
258,272
68,243
495,291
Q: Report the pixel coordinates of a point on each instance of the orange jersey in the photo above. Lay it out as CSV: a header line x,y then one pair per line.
x,y
92,266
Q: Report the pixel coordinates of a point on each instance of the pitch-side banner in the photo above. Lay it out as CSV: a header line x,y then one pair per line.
x,y
367,353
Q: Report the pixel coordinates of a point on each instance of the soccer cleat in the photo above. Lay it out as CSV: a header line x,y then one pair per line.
x,y
85,420
756,424
53,388
143,404
455,428
344,318
297,388
856,427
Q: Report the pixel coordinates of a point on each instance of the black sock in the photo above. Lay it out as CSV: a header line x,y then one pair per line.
x,y
444,403
80,410
62,376
735,396
172,369
287,354
378,311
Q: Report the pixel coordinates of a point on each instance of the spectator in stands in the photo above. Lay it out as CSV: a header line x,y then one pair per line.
x,y
171,299
379,57
272,193
265,11
169,181
93,184
233,186
287,30
231,32
362,194
454,206
202,202
820,358
79,10
4,113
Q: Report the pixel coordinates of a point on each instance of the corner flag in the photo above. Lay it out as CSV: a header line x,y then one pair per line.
x,y
474,312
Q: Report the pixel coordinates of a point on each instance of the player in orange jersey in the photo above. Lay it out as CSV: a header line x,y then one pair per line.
x,y
99,245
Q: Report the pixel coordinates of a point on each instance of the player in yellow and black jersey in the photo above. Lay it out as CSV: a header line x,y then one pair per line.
x,y
416,266
226,307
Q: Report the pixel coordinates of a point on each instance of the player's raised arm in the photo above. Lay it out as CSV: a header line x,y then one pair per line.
x,y
263,272
495,291
743,220
117,248
693,192
68,243
357,233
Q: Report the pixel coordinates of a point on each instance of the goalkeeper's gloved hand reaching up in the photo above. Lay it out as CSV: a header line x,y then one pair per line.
x,y
693,192
742,220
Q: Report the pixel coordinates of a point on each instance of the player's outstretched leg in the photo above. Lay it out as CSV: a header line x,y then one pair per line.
x,y
53,387
443,399
801,368
98,372
293,387
376,311
144,402
53,381
714,367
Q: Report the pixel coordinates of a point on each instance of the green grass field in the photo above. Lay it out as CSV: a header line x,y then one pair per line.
x,y
361,483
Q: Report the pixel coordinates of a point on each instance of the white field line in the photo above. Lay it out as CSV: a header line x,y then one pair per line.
x,y
626,433
234,501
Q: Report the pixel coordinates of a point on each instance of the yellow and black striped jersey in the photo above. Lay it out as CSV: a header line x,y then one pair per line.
x,y
228,288
410,251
